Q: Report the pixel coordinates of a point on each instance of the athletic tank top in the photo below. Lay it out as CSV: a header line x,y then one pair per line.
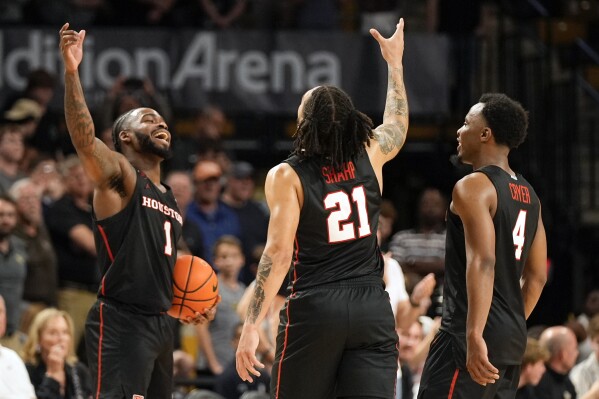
x,y
515,221
137,249
336,235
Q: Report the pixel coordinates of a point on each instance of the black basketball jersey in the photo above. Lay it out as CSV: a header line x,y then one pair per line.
x,y
336,235
515,221
137,249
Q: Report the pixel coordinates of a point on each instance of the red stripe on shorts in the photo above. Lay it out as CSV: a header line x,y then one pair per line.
x,y
451,388
100,351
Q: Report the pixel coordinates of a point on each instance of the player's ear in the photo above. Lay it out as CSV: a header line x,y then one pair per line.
x,y
486,134
125,136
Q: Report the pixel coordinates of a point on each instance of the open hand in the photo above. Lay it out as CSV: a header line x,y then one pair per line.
x,y
246,360
477,363
71,47
392,48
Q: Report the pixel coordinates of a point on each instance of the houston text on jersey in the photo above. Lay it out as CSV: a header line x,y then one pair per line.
x,y
152,203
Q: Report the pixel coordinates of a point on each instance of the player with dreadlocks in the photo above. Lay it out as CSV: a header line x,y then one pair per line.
x,y
337,332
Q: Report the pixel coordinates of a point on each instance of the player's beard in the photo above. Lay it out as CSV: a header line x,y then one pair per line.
x,y
147,145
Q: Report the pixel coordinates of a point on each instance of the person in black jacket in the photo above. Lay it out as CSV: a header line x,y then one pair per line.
x,y
50,359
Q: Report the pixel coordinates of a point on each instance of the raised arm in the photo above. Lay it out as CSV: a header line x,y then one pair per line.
x,y
472,199
283,191
100,163
534,275
391,135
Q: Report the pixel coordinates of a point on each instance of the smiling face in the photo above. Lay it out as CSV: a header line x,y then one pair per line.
x,y
55,332
470,133
150,133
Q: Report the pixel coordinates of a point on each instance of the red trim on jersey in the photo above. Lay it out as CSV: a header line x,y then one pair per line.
x,y
451,388
105,239
287,325
110,256
100,351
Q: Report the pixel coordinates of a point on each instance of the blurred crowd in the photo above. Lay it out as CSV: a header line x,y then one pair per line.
x,y
48,275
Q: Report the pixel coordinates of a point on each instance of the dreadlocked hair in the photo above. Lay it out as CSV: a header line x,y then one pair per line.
x,y
332,128
121,123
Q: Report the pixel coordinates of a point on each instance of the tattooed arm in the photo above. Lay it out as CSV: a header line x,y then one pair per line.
x,y
284,195
101,164
391,135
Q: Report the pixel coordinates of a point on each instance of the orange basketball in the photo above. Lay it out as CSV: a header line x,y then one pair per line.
x,y
195,287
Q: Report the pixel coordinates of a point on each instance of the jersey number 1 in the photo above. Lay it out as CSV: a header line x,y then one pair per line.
x,y
168,247
340,229
518,233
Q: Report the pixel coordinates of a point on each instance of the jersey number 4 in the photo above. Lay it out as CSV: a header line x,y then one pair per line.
x,y
338,224
518,233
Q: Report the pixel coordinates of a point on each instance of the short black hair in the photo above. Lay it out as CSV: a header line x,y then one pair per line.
x,y
506,117
121,123
331,127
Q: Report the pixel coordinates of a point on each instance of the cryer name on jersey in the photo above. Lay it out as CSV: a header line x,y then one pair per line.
x,y
159,206
332,175
520,193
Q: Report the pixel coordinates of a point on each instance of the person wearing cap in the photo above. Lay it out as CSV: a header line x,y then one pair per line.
x,y
253,216
208,211
12,150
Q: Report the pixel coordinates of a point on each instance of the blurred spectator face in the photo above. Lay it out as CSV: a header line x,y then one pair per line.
x,y
29,203
56,331
228,259
535,371
46,176
106,137
431,207
385,228
570,351
12,147
181,185
8,219
211,123
207,179
77,182
240,183
408,340
591,305
42,95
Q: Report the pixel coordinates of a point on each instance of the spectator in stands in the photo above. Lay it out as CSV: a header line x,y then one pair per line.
x,y
50,358
14,380
561,343
387,219
421,250
222,14
215,337
182,188
128,93
532,368
43,172
253,216
13,267
12,150
585,374
25,113
69,222
212,216
590,309
205,141
41,285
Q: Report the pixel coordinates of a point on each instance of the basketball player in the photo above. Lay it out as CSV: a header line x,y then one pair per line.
x,y
137,226
337,335
496,255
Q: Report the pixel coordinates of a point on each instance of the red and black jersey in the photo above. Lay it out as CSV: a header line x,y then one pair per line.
x,y
336,235
516,220
137,249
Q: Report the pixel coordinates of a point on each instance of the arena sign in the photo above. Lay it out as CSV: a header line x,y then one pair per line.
x,y
244,71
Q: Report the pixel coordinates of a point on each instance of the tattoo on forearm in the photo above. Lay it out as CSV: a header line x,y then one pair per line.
x,y
257,301
392,134
79,120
